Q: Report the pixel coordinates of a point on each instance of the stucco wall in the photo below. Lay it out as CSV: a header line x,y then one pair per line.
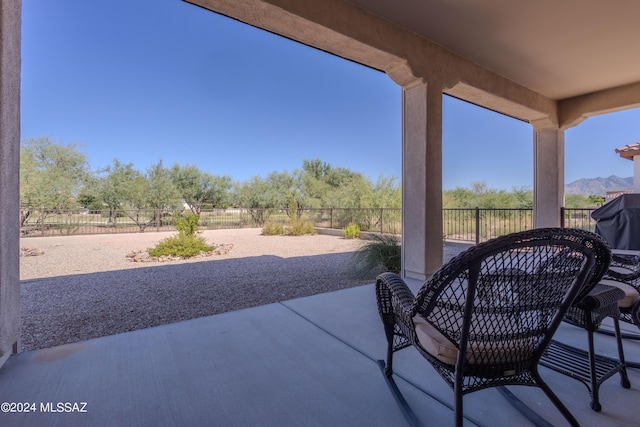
x,y
10,22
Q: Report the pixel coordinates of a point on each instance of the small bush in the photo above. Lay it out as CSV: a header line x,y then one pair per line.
x,y
182,245
186,244
380,254
273,229
352,231
187,224
299,227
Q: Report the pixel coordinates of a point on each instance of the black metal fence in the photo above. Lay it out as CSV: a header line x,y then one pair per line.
x,y
42,222
476,225
577,218
472,225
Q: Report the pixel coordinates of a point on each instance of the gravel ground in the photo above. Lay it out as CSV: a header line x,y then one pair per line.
x,y
84,287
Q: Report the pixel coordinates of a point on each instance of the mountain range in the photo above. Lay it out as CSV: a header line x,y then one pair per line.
x,y
598,186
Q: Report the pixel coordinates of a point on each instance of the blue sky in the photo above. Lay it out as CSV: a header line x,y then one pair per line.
x,y
149,80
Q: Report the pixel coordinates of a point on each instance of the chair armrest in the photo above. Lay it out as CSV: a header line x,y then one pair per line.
x,y
625,273
600,296
624,267
396,288
624,259
395,300
600,303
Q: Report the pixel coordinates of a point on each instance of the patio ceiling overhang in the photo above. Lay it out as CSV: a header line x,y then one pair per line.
x,y
550,63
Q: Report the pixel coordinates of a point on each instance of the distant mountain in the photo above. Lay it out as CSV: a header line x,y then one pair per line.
x,y
598,186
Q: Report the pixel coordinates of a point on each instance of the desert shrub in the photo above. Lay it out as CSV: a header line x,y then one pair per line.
x,y
181,245
299,227
187,224
352,231
382,253
273,229
186,243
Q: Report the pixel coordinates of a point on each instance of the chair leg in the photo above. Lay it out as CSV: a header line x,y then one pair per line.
x,y
389,331
409,415
595,400
555,399
459,412
624,377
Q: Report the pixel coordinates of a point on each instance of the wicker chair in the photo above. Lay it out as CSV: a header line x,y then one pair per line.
x,y
588,313
624,267
586,366
624,273
485,318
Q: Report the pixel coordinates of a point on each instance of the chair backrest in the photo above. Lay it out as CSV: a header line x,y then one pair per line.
x,y
501,301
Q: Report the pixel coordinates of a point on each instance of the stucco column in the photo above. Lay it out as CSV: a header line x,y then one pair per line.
x,y
421,179
548,177
636,174
10,11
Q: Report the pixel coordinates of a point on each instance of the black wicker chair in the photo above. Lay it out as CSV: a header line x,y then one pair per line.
x,y
588,313
485,318
624,273
624,267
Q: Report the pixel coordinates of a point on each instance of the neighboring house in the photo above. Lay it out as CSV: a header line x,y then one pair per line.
x,y
632,152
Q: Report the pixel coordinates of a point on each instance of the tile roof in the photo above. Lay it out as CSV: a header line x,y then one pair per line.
x,y
629,150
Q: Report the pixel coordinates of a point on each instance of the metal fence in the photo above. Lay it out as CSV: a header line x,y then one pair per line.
x,y
42,222
577,218
477,225
471,225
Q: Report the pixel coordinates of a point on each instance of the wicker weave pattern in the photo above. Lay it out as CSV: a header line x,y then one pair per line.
x,y
625,268
630,274
499,303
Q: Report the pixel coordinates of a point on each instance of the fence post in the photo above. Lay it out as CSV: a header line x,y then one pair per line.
x,y
331,218
381,220
562,216
477,225
40,222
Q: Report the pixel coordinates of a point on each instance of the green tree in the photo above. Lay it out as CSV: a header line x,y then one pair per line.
x,y
523,197
120,187
279,183
576,201
198,188
316,168
481,196
51,175
161,191
386,193
89,200
316,185
459,197
254,195
356,192
596,200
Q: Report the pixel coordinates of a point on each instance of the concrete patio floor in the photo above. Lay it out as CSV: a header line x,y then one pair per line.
x,y
304,362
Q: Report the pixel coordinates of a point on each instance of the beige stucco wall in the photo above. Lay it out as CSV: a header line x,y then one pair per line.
x,y
548,179
636,174
10,12
573,111
421,179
